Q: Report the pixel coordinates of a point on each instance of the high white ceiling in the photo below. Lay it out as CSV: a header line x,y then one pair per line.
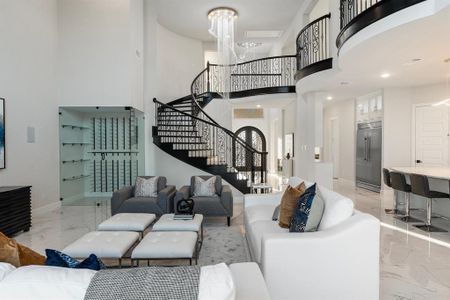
x,y
189,17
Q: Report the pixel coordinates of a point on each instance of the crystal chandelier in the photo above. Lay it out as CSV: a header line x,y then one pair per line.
x,y
222,28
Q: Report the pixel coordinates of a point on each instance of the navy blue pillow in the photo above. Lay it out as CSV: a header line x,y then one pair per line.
x,y
58,259
301,212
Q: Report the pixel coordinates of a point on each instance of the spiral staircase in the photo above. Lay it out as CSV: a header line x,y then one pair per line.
x,y
184,130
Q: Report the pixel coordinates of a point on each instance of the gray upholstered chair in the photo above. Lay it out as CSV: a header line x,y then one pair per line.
x,y
124,201
219,205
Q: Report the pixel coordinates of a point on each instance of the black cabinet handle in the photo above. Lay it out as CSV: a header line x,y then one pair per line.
x,y
418,161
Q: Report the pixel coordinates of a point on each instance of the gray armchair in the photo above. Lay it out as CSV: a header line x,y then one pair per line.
x,y
219,205
124,201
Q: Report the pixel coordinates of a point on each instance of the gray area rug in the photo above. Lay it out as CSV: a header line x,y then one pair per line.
x,y
223,244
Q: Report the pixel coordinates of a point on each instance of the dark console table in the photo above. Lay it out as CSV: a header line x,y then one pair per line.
x,y
15,209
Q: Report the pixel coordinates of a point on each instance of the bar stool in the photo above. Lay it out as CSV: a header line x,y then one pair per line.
x,y
398,182
420,186
387,181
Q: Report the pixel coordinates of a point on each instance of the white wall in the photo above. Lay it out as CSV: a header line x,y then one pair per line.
x,y
344,111
321,8
100,45
28,35
179,61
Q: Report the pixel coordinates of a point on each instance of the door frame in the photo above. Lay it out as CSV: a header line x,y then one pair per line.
x,y
336,166
413,129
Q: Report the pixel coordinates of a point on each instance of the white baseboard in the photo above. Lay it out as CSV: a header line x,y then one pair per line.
x,y
46,208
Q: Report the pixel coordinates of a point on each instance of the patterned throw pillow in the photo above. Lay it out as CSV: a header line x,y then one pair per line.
x,y
308,213
58,259
146,187
205,187
288,204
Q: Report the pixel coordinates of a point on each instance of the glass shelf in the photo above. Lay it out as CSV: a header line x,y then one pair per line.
x,y
75,161
76,177
74,127
75,144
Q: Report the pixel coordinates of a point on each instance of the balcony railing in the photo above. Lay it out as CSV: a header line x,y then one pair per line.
x,y
313,49
358,14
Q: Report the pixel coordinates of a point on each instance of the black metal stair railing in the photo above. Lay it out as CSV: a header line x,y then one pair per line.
x,y
313,47
218,145
208,145
358,14
352,8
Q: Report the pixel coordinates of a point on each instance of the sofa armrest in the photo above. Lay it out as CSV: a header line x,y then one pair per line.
x,y
344,260
183,193
165,198
119,197
226,198
262,199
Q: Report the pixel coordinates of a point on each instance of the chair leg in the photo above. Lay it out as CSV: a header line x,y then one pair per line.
x,y
228,221
407,217
393,211
427,226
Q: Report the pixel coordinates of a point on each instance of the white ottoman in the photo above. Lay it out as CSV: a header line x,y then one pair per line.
x,y
127,222
167,223
104,244
167,245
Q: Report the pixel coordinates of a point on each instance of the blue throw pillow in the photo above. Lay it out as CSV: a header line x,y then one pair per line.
x,y
58,259
301,212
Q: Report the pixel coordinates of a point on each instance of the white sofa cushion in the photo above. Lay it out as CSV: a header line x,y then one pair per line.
x,y
46,283
216,283
337,208
259,213
5,269
256,232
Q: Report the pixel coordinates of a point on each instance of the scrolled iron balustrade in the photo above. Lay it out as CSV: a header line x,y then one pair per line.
x,y
358,14
217,143
313,49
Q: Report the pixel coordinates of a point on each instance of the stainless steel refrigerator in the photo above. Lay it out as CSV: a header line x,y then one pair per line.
x,y
368,155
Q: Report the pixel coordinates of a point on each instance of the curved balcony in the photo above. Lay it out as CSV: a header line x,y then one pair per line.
x,y
313,48
358,14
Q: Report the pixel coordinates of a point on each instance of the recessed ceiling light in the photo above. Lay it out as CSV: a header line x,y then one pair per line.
x,y
345,83
258,106
248,45
329,98
385,75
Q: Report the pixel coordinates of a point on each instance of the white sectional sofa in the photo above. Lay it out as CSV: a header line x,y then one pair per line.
x,y
339,261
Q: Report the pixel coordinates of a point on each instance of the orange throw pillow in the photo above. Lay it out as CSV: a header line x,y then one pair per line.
x,y
289,202
17,254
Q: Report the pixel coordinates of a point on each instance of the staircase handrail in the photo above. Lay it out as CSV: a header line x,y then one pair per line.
x,y
229,132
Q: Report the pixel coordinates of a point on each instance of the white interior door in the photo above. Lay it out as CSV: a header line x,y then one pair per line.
x,y
334,145
431,147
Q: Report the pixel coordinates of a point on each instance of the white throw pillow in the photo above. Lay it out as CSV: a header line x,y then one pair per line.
x,y
337,208
205,187
216,283
146,187
5,269
46,283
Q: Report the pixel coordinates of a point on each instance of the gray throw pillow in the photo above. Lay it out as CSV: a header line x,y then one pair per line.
x,y
205,187
316,212
146,187
276,213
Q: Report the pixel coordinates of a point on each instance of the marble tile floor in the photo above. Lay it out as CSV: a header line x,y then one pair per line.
x,y
413,264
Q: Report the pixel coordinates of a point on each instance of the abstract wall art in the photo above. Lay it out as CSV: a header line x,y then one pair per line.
x,y
2,133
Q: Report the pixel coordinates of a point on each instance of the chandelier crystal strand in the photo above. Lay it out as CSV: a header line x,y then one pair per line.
x,y
222,28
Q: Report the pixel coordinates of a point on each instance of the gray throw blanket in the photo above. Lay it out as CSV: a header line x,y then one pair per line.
x,y
168,283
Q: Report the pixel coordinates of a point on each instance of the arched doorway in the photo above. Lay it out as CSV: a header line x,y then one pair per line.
x,y
244,161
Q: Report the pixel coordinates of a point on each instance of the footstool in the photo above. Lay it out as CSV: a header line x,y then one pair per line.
x,y
162,245
104,244
127,222
167,223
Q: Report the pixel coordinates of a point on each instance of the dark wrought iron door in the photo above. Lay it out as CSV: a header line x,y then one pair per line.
x,y
246,161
